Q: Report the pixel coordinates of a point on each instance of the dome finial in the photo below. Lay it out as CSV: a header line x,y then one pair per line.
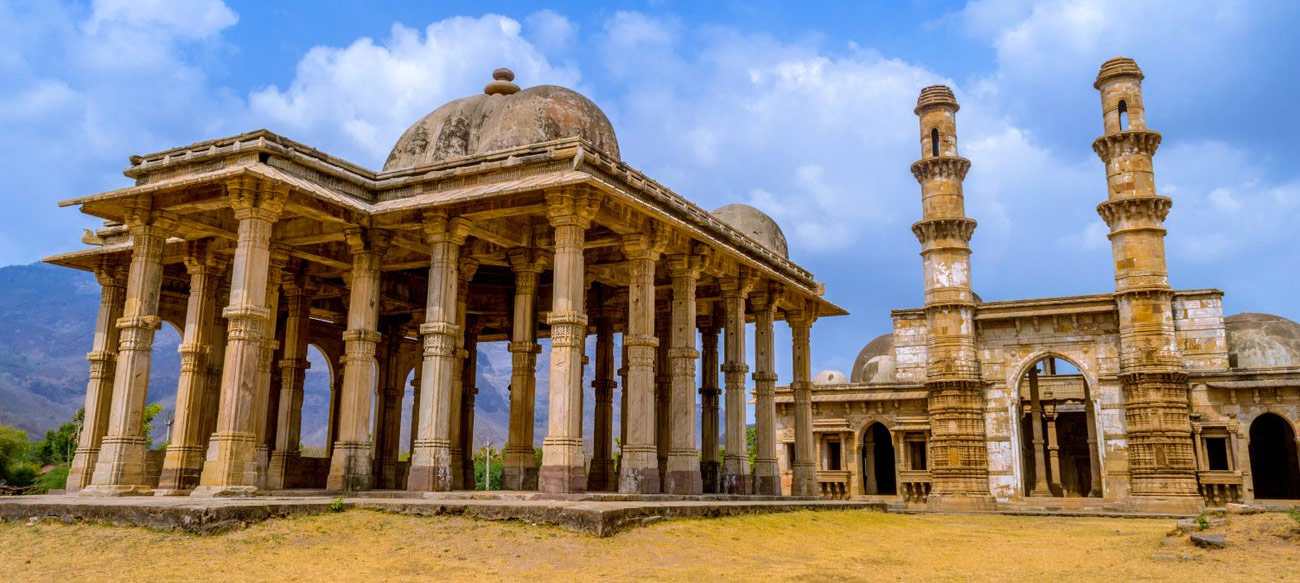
x,y
502,83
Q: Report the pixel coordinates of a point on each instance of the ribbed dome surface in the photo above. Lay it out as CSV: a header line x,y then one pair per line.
x,y
486,123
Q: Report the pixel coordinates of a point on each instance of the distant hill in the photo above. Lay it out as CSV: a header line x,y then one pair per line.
x,y
47,319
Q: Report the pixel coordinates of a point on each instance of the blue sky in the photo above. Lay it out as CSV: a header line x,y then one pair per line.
x,y
801,109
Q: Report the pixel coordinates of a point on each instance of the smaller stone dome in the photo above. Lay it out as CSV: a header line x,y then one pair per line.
x,y
756,224
829,377
1262,341
882,345
881,369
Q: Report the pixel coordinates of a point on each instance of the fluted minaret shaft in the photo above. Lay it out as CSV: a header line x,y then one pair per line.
x,y
956,401
1154,380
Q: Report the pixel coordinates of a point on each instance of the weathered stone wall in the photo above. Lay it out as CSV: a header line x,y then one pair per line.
x,y
1198,325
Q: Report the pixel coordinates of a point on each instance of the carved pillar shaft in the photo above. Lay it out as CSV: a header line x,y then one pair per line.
x,y
520,471
1054,454
767,478
431,468
468,374
735,465
119,468
231,464
710,464
804,480
183,462
464,274
103,360
639,468
1036,431
266,401
683,476
563,464
350,465
601,476
663,393
293,368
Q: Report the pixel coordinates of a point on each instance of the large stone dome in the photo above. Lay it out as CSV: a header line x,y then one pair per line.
x,y
502,117
756,224
1262,341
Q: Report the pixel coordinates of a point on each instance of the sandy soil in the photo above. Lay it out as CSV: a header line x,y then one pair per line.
x,y
807,547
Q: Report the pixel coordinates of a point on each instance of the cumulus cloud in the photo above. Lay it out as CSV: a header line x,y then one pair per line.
x,y
355,101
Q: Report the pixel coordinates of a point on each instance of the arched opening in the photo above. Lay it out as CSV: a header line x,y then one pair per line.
x,y
1274,466
314,432
934,141
1123,115
164,379
878,461
1058,431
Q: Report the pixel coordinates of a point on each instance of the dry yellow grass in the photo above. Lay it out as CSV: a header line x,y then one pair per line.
x,y
807,547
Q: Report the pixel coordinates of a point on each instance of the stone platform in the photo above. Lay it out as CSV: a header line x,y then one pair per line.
x,y
597,514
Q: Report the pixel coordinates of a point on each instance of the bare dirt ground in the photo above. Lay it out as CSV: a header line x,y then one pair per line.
x,y
807,547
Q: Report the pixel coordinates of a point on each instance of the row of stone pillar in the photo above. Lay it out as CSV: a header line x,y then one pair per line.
x,y
228,372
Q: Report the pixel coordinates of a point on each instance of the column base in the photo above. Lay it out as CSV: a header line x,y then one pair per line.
x,y
350,467
709,473
82,469
182,467
562,479
601,478
640,471
231,461
279,475
519,478
683,475
430,467
735,477
119,469
767,485
804,481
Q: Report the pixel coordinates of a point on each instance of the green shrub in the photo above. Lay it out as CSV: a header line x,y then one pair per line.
x,y
55,479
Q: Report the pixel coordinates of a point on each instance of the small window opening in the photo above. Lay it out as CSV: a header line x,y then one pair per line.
x,y
1216,452
833,456
916,454
934,141
789,454
1123,115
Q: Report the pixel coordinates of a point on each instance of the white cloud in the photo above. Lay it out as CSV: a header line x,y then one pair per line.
x,y
194,19
355,101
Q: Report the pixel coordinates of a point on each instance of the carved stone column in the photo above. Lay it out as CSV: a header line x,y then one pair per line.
x,y
431,467
119,468
388,401
1036,431
216,361
1054,453
231,464
601,476
465,273
183,462
468,376
267,398
350,466
663,386
767,477
710,465
639,468
683,475
805,475
415,407
298,291
520,471
563,467
735,464
103,360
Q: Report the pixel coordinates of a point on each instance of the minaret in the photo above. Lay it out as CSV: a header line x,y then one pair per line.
x,y
959,456
1151,370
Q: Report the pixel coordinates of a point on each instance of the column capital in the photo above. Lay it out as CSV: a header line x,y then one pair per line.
x,y
252,198
367,240
571,207
767,296
644,245
468,267
735,287
201,260
527,259
296,283
682,265
144,221
110,272
439,228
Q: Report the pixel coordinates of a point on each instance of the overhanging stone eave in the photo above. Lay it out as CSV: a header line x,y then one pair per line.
x,y
260,140
87,259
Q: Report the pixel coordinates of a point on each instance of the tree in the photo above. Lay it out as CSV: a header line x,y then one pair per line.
x,y
60,444
16,466
751,446
151,412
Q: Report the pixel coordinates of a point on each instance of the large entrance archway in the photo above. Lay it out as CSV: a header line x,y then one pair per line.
x,y
1058,431
878,461
1274,466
